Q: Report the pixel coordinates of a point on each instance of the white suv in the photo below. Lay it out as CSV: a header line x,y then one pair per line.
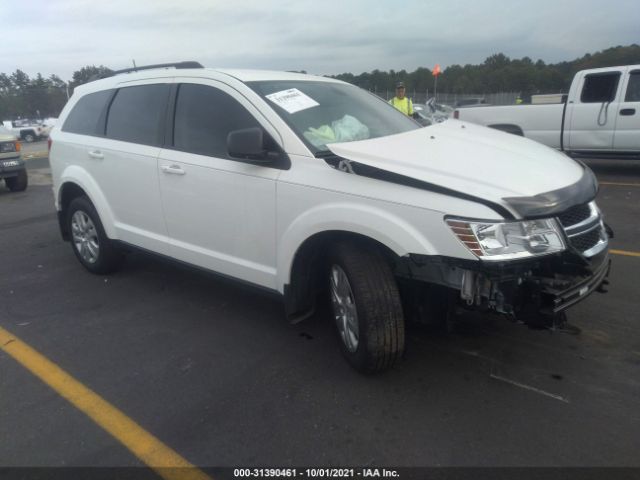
x,y
302,185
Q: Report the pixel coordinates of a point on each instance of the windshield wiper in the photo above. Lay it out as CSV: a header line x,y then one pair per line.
x,y
324,154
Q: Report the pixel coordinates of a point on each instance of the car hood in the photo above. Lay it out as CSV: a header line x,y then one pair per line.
x,y
474,160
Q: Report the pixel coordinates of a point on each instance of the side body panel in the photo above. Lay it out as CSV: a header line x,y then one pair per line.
x,y
627,136
591,126
221,213
538,122
120,177
313,197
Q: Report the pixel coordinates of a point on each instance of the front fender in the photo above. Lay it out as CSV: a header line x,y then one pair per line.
x,y
79,176
386,228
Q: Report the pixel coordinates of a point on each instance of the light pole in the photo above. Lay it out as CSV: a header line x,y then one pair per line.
x,y
436,72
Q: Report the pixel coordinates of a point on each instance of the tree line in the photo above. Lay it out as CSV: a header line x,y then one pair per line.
x,y
498,73
40,97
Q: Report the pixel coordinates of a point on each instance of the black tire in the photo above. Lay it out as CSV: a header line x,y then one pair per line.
x,y
108,258
374,292
19,183
29,137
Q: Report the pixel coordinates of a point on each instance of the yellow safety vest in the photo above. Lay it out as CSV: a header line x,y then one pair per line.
x,y
404,105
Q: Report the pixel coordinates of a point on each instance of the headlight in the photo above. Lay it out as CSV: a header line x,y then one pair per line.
x,y
8,147
509,240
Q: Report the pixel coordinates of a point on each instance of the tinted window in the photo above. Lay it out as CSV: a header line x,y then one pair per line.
x,y
600,88
136,114
85,115
204,117
633,88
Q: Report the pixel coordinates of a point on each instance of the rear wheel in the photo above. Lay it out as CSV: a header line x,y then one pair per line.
x,y
19,183
29,137
366,307
90,244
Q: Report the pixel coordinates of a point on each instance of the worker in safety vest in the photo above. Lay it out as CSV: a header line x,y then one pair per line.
x,y
401,102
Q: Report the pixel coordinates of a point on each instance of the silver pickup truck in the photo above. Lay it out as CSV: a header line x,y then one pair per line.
x,y
12,167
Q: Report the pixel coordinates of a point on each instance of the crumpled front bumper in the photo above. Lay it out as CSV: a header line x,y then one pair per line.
x,y
560,298
541,286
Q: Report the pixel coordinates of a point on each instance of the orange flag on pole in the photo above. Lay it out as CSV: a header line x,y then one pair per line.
x,y
436,70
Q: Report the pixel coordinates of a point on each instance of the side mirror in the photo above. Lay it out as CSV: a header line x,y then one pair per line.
x,y
248,143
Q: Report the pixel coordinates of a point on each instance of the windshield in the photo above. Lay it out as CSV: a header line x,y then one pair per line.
x,y
325,112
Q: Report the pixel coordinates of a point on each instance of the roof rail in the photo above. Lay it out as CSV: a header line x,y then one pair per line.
x,y
189,64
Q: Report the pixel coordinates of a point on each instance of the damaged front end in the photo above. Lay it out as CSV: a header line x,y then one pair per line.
x,y
535,290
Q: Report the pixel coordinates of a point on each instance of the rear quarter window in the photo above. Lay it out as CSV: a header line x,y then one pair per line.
x,y
85,117
633,87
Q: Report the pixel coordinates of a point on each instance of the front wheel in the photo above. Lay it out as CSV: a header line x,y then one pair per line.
x,y
366,308
29,137
90,244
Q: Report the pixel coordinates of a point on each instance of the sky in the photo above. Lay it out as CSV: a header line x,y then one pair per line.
x,y
321,36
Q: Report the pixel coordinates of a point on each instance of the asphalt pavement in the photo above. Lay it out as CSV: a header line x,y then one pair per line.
x,y
214,371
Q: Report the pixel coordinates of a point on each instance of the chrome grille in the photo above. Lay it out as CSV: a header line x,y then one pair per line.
x,y
587,240
575,215
584,229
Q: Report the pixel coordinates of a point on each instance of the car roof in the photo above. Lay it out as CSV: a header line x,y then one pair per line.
x,y
214,73
266,75
608,69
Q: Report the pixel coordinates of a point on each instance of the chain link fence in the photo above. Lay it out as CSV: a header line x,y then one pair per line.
x,y
456,99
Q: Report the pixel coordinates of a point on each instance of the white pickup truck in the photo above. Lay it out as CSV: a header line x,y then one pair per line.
x,y
28,131
601,115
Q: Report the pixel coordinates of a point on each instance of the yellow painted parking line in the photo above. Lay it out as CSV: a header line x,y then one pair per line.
x,y
29,156
625,253
151,451
616,184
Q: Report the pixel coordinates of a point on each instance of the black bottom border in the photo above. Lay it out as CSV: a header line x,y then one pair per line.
x,y
403,473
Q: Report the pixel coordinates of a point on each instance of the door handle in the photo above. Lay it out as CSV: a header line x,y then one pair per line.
x,y
172,169
628,111
97,154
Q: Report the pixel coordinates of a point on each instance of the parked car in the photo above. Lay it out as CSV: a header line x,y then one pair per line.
x,y
431,112
601,115
12,167
47,125
300,185
26,130
471,102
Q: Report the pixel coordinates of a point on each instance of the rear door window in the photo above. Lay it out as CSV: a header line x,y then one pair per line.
x,y
600,87
633,87
204,117
136,114
86,116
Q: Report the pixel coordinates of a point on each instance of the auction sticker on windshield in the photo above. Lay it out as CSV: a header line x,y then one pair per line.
x,y
292,100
